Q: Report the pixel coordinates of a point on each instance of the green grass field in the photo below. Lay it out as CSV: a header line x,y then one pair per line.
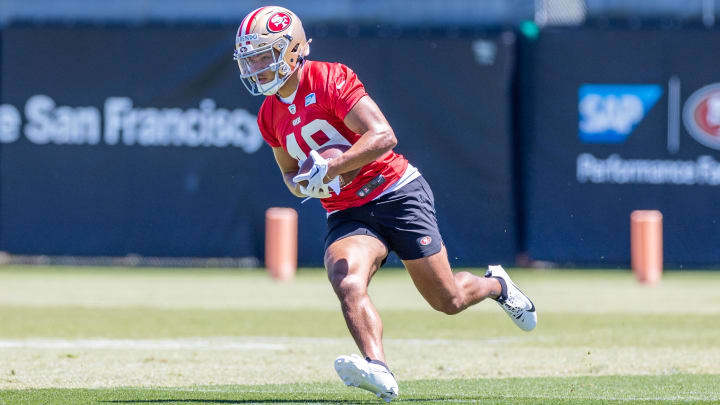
x,y
165,336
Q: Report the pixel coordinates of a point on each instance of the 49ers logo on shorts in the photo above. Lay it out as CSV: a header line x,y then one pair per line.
x,y
278,22
425,240
702,115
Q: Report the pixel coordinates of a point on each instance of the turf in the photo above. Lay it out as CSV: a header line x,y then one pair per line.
x,y
127,335
571,390
556,329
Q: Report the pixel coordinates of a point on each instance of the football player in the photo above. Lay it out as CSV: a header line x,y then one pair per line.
x,y
387,206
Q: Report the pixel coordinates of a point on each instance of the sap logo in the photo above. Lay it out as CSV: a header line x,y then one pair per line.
x,y
701,115
610,112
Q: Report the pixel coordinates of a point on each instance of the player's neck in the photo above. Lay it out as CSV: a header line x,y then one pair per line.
x,y
290,85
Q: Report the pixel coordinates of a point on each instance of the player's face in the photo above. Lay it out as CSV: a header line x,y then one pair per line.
x,y
263,70
259,64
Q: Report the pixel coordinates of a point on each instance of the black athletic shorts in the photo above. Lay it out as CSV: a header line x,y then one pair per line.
x,y
404,220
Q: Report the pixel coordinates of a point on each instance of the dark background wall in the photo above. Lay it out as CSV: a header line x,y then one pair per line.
x,y
549,162
79,179
574,219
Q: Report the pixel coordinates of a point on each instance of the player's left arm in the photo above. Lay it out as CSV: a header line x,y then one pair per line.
x,y
377,138
289,168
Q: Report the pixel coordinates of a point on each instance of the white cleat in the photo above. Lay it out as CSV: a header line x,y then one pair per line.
x,y
376,378
515,303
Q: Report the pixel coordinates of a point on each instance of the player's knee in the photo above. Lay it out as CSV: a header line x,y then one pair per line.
x,y
344,281
349,287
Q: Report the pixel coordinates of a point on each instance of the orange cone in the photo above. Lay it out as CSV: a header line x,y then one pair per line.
x,y
646,245
281,243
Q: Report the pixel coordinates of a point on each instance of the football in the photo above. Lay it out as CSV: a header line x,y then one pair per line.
x,y
330,152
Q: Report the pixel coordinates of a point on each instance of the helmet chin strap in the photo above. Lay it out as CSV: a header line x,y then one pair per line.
x,y
271,87
274,85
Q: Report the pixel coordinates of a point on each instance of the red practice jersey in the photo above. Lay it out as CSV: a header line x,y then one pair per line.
x,y
326,93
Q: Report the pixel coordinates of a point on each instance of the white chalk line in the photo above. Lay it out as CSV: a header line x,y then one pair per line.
x,y
134,344
225,343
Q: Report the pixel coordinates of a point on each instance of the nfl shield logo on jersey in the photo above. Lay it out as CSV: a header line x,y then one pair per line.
x,y
292,108
309,99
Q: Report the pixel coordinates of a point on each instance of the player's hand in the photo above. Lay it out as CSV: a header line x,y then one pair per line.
x,y
315,192
317,172
316,175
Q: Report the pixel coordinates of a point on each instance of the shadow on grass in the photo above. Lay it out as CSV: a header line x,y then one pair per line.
x,y
273,401
224,401
375,401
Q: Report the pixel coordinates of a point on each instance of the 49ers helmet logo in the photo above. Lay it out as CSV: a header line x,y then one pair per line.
x,y
702,115
278,22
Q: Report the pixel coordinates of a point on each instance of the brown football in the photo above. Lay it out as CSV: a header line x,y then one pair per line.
x,y
330,152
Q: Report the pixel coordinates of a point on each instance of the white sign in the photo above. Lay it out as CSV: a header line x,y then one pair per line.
x,y
121,123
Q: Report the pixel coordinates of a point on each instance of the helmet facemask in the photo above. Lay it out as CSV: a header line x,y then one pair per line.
x,y
271,57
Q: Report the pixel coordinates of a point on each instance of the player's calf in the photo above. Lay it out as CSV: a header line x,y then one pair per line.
x,y
449,305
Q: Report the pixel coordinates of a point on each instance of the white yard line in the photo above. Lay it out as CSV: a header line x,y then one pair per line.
x,y
227,343
208,362
141,344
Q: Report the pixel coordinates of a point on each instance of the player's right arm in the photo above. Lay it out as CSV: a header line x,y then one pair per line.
x,y
289,168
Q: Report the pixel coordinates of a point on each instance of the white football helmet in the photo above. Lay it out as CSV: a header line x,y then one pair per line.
x,y
269,38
